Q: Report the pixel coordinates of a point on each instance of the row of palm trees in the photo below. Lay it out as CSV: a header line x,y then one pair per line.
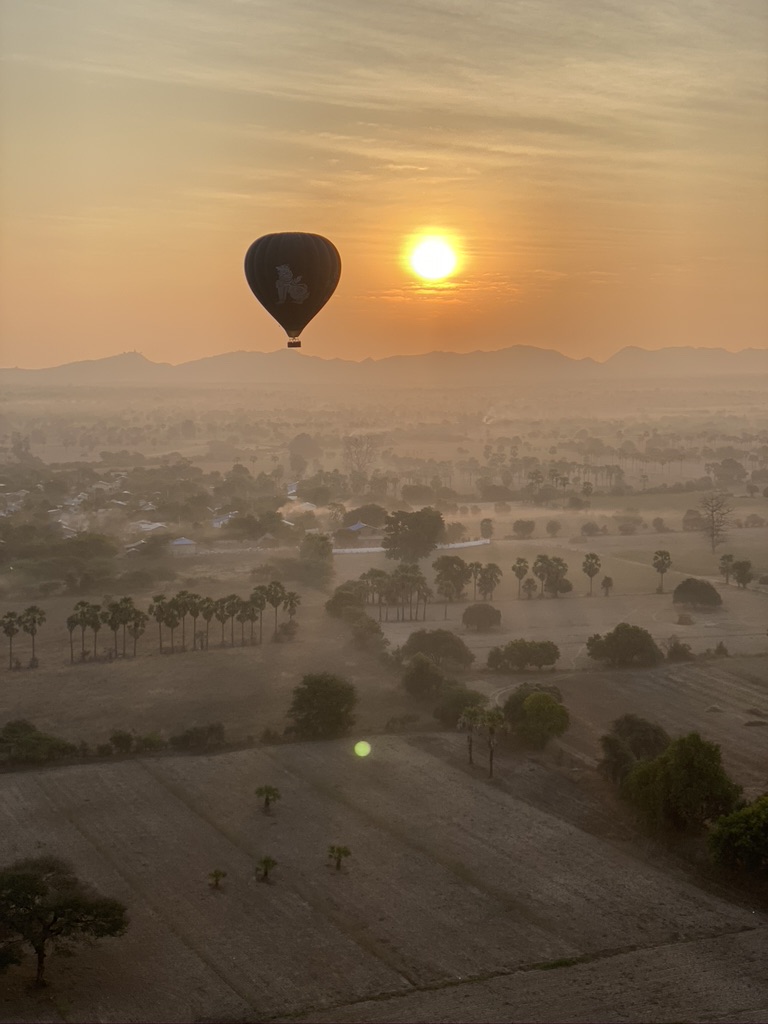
x,y
124,619
172,613
29,621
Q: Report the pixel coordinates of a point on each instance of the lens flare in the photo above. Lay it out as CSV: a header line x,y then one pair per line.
x,y
362,748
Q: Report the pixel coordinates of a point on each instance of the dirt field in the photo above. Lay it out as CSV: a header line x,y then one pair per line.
x,y
443,912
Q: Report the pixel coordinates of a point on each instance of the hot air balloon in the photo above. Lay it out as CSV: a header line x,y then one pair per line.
x,y
293,275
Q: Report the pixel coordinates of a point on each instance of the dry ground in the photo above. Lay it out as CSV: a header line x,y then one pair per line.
x,y
457,889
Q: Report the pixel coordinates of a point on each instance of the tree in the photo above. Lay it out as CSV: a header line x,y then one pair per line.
x,y
474,569
486,528
516,655
529,588
291,603
742,573
662,562
72,624
258,601
630,740
216,877
423,678
492,723
207,612
591,567
409,536
45,905
11,625
268,794
264,866
553,527
451,576
470,721
441,645
30,620
157,612
606,584
322,706
523,528
481,617
360,452
543,718
112,617
696,593
625,645
726,567
716,515
520,569
540,569
683,788
739,841
338,854
555,582
490,577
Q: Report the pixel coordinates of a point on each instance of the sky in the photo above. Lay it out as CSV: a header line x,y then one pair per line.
x,y
599,165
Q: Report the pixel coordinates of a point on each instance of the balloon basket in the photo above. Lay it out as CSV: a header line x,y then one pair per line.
x,y
294,344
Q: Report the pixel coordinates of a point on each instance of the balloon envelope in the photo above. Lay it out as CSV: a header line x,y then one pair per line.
x,y
293,275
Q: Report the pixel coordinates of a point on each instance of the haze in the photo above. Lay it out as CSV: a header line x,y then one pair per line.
x,y
602,164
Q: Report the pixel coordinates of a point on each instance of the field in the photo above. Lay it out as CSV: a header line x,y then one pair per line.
x,y
448,909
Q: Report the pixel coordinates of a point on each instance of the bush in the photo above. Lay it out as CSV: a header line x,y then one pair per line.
x,y
481,617
122,741
517,655
679,651
199,738
455,698
287,630
535,714
322,706
441,645
721,651
683,788
625,645
23,743
104,750
423,679
697,593
150,743
352,594
684,619
739,841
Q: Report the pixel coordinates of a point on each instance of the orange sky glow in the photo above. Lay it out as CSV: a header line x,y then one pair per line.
x,y
601,167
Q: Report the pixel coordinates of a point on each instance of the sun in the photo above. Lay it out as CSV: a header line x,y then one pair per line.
x,y
433,258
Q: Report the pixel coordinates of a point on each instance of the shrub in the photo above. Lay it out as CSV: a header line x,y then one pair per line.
x,y
199,738
287,630
23,743
697,593
481,617
455,698
423,679
322,706
679,651
625,645
150,743
684,619
441,645
739,841
535,714
122,741
104,750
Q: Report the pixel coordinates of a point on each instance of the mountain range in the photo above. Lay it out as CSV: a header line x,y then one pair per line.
x,y
431,370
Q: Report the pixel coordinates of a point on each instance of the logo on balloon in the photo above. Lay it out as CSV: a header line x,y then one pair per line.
x,y
289,286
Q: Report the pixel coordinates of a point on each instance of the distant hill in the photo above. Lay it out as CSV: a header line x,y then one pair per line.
x,y
434,369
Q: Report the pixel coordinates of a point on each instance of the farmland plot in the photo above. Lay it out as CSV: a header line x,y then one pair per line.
x,y
452,882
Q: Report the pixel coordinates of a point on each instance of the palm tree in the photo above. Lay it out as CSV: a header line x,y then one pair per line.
x,y
232,605
207,610
591,567
194,602
540,570
520,569
275,595
242,618
111,616
181,605
81,612
530,587
259,601
470,720
30,620
291,603
662,561
136,626
339,853
73,621
127,610
265,865
268,794
475,568
222,614
11,625
493,723
93,618
172,618
490,577
157,612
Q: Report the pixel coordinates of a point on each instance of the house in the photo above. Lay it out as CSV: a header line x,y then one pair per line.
x,y
183,546
218,521
357,534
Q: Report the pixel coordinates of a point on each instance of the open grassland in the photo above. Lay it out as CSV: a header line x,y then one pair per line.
x,y
457,889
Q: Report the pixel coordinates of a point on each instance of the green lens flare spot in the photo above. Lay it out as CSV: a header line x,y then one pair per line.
x,y
362,748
